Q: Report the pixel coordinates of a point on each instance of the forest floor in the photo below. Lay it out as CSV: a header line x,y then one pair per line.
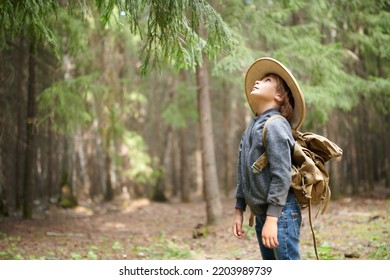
x,y
352,227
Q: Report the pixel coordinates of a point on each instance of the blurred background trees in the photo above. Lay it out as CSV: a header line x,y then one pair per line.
x,y
118,100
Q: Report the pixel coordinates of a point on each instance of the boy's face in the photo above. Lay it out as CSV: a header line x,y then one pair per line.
x,y
264,90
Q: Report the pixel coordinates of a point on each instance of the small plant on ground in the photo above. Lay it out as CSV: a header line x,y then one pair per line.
x,y
164,249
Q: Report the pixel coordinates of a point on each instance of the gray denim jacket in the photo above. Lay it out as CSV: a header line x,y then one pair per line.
x,y
265,191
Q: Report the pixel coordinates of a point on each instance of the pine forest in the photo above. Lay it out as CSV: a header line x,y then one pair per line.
x,y
117,115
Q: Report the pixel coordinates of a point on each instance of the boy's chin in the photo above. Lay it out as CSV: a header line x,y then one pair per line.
x,y
255,97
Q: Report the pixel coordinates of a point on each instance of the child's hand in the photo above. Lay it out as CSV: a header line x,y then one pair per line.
x,y
237,223
270,232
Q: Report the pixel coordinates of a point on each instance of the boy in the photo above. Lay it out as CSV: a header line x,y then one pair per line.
x,y
270,89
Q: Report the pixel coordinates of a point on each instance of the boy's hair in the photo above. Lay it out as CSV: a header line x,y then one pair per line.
x,y
287,106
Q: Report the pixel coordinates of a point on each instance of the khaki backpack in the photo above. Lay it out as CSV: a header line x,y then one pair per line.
x,y
310,178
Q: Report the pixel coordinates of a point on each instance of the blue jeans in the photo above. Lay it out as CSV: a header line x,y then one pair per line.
x,y
289,230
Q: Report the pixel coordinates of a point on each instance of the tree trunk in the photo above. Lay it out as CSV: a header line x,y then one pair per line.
x,y
30,139
386,150
3,193
159,189
211,187
354,170
199,177
21,130
364,146
175,168
109,192
184,176
84,179
370,164
3,201
229,150
50,155
335,168
97,170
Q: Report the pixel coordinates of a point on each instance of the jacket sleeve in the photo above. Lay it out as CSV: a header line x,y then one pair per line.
x,y
279,147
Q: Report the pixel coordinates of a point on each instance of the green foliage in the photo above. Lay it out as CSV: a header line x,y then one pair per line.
x,y
135,99
162,250
66,101
297,32
377,89
70,31
367,24
94,95
92,255
117,246
12,250
16,16
325,252
233,62
382,252
302,34
182,108
67,202
140,163
250,231
171,32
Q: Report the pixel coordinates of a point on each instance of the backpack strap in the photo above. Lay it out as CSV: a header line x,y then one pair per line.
x,y
277,116
262,161
312,231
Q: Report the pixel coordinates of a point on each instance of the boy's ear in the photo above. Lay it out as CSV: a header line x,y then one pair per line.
x,y
279,97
